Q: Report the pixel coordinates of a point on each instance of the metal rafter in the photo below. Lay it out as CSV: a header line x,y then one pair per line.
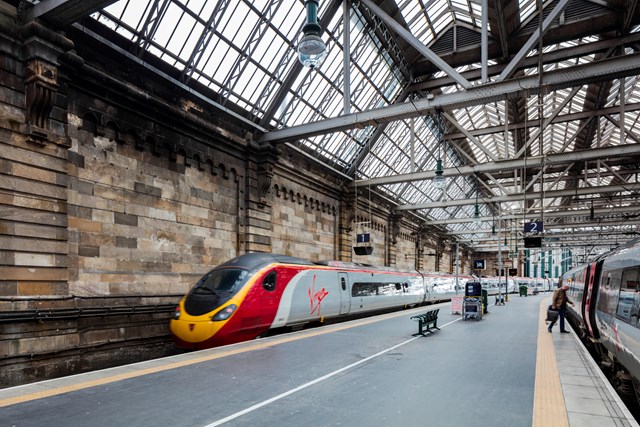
x,y
578,75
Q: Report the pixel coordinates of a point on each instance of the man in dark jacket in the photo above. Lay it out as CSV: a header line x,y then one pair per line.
x,y
559,302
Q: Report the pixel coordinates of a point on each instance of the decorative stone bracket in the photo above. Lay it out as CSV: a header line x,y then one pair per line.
x,y
41,87
267,158
42,49
396,218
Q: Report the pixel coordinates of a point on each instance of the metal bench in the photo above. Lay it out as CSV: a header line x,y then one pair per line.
x,y
428,320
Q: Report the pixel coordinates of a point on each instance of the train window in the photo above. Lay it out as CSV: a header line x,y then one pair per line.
x,y
629,300
368,289
343,283
221,280
269,282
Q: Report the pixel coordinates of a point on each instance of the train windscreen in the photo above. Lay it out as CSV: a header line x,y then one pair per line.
x,y
221,280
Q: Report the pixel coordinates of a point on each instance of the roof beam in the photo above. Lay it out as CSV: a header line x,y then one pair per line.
x,y
517,197
571,213
535,37
417,44
530,62
65,12
578,75
513,164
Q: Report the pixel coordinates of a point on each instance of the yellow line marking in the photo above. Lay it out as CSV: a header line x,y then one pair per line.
x,y
548,400
217,354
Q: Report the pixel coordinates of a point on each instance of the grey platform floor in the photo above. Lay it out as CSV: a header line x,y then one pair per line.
x,y
369,372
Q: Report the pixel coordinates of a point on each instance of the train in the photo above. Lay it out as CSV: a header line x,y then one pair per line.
x,y
256,293
606,294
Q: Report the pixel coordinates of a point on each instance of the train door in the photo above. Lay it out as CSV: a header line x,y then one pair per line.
x,y
592,274
345,293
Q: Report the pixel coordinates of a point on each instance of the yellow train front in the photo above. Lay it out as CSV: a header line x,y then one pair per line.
x,y
234,302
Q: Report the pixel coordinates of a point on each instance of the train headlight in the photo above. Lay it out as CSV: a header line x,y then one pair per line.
x,y
176,313
225,313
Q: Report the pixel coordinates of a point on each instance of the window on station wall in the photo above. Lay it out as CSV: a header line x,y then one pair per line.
x,y
629,299
269,282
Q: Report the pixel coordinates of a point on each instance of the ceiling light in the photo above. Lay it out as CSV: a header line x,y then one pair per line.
x,y
476,215
311,50
439,181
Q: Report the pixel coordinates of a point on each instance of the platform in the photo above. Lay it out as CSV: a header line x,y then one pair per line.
x,y
503,370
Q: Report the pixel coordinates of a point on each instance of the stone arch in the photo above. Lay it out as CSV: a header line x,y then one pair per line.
x,y
211,166
197,162
223,169
181,157
90,123
234,175
149,140
131,138
111,131
168,149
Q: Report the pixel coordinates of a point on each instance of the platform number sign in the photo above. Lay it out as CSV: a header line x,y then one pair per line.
x,y
478,264
363,238
533,227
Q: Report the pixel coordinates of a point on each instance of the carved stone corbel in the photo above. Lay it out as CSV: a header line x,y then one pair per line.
x,y
265,176
41,50
40,87
267,157
396,219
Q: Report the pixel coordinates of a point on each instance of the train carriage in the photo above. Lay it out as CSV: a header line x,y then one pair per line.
x,y
607,303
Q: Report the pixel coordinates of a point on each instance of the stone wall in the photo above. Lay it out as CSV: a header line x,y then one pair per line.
x,y
141,223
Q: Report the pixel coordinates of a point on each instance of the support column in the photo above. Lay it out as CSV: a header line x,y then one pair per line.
x,y
345,224
258,225
34,169
394,231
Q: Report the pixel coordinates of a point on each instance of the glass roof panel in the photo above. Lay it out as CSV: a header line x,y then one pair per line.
x,y
261,74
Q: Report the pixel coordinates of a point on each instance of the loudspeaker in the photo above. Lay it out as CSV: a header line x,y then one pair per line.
x,y
363,250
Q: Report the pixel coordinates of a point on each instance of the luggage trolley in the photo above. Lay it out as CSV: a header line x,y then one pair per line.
x,y
472,306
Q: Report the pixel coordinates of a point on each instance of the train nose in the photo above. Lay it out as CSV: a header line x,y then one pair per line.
x,y
192,331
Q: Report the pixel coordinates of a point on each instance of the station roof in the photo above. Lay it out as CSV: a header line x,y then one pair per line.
x,y
528,127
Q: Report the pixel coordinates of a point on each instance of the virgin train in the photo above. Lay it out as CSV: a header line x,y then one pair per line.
x,y
257,292
606,294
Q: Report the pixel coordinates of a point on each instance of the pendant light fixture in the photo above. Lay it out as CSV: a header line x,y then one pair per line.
x,y
312,51
439,181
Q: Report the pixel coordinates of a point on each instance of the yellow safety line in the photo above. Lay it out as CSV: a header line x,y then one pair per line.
x,y
217,354
548,401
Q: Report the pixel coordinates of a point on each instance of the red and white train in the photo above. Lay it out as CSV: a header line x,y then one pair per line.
x,y
606,294
257,292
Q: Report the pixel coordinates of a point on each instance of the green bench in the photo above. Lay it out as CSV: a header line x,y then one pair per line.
x,y
428,320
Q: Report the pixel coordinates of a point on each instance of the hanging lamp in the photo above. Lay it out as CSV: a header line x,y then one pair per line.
x,y
311,50
476,211
439,181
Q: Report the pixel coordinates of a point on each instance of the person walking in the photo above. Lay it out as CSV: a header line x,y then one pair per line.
x,y
559,302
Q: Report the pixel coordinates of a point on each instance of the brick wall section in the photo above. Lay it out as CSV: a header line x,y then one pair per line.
x,y
304,222
141,226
